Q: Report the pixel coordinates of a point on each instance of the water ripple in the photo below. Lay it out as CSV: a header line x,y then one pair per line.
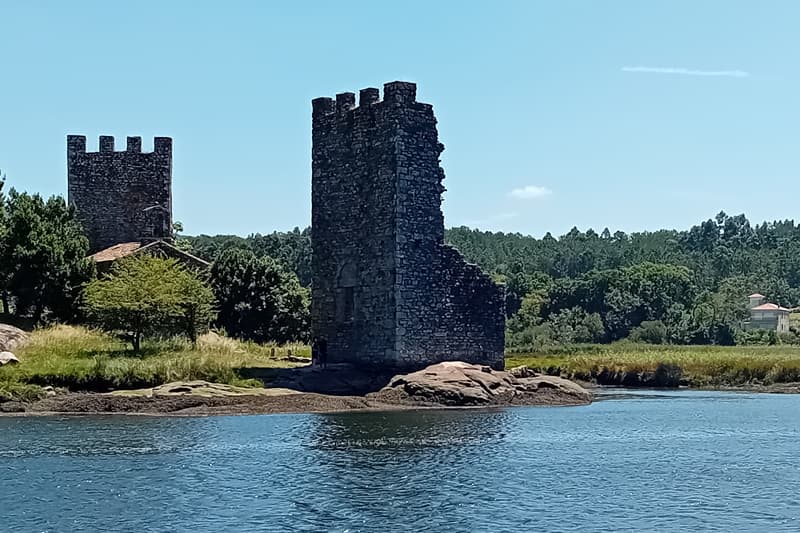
x,y
650,462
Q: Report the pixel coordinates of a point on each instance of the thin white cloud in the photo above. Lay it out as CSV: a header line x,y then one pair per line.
x,y
530,192
687,71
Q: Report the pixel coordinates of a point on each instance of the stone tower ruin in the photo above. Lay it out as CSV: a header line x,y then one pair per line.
x,y
121,196
387,291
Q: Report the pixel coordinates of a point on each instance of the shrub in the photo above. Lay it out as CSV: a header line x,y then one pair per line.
x,y
258,299
757,337
145,295
650,332
576,326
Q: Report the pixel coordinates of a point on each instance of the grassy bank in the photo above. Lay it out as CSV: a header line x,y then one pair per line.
x,y
83,359
641,364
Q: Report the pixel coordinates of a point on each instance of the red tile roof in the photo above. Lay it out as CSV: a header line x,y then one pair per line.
x,y
769,307
118,251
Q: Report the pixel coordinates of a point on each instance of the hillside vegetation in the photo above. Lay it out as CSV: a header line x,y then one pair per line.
x,y
663,287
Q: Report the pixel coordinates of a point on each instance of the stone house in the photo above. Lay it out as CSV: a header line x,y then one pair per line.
x,y
104,259
765,315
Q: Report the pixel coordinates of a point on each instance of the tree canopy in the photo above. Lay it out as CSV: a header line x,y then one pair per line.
x,y
694,282
144,295
43,262
258,298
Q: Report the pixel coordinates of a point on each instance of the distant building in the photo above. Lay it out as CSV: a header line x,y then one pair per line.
x,y
104,259
765,315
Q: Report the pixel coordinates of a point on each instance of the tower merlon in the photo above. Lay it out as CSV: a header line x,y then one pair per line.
x,y
322,106
400,92
345,102
394,93
106,143
76,144
162,145
368,96
134,144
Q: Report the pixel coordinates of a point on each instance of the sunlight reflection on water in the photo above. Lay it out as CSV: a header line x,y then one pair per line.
x,y
651,461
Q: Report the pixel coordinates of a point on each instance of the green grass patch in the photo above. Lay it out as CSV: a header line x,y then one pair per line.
x,y
695,365
81,359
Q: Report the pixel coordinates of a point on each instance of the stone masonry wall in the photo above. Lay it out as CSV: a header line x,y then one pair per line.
x,y
121,196
352,230
386,289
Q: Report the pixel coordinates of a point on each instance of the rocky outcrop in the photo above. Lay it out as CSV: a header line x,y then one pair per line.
x,y
11,338
449,384
8,358
203,389
456,383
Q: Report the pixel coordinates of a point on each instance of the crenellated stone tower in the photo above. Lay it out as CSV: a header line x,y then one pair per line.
x,y
121,196
386,290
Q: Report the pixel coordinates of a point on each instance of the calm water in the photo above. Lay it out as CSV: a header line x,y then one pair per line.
x,y
652,462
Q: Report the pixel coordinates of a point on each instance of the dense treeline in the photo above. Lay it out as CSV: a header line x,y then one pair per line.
x,y
46,277
290,249
664,286
669,286
43,263
713,250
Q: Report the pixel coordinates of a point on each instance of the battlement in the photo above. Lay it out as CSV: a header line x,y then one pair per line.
x,y
76,144
395,93
121,196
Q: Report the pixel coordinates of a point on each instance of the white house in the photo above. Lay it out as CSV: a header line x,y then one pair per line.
x,y
764,315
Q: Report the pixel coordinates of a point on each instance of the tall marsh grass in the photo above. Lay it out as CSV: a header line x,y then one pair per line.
x,y
697,365
84,359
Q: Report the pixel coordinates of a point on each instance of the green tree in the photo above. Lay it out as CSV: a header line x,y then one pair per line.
x,y
43,262
4,297
576,326
144,295
650,331
520,284
258,299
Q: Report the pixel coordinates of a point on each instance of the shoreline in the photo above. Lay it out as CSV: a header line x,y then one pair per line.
x,y
77,404
102,404
776,388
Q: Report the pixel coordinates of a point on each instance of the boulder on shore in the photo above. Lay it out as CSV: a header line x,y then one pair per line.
x,y
455,383
11,337
203,389
8,358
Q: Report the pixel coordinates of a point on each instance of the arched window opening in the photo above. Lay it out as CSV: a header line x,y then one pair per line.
x,y
346,291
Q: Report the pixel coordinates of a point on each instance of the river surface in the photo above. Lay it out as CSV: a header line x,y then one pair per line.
x,y
654,461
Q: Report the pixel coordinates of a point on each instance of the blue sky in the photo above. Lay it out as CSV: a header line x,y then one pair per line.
x,y
626,114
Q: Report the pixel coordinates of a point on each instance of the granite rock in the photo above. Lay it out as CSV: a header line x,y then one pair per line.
x,y
8,358
455,383
11,337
